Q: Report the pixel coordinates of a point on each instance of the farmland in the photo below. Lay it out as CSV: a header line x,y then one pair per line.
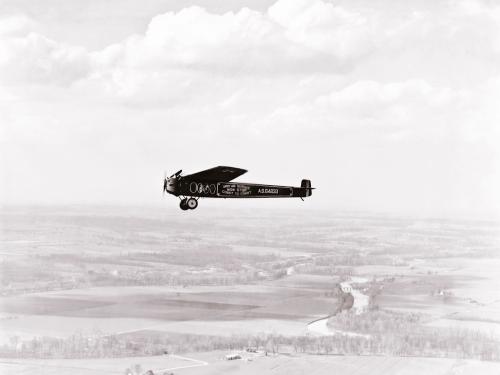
x,y
213,363
161,279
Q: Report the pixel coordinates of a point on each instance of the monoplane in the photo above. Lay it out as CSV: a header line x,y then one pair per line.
x,y
218,182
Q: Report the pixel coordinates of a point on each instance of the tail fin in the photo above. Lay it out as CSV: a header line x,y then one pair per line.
x,y
306,184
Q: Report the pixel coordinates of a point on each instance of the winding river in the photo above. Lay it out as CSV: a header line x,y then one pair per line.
x,y
360,303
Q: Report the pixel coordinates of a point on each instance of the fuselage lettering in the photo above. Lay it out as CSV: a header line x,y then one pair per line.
x,y
268,191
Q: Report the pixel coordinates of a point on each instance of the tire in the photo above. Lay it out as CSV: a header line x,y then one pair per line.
x,y
183,205
191,203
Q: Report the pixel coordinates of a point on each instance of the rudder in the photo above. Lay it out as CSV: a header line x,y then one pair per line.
x,y
306,184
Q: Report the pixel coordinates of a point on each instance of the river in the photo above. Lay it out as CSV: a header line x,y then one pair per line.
x,y
360,304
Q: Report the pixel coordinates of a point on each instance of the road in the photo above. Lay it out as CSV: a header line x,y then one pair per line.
x,y
197,363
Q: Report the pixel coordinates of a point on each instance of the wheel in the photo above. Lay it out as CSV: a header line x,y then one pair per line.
x,y
192,203
183,205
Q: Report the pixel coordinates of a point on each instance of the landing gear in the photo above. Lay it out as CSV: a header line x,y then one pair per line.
x,y
192,203
188,204
183,205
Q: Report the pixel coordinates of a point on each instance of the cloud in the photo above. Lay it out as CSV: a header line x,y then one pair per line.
x,y
182,56
16,24
385,110
326,28
245,42
291,38
35,59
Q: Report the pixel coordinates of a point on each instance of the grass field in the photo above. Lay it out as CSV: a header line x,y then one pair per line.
x,y
347,365
95,367
196,310
275,365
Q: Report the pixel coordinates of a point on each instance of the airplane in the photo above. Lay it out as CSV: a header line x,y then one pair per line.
x,y
217,183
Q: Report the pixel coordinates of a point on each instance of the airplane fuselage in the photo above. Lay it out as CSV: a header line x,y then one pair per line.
x,y
234,190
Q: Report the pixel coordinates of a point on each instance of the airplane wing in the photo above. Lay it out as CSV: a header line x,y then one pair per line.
x,y
219,174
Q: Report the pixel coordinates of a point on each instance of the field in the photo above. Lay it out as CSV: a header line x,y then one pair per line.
x,y
98,366
206,310
213,363
116,272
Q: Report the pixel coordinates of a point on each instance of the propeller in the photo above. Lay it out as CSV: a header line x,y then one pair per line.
x,y
164,182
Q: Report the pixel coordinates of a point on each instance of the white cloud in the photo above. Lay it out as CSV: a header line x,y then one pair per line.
x,y
35,59
16,24
326,28
393,109
292,37
246,42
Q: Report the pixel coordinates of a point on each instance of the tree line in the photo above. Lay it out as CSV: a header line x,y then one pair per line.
x,y
446,343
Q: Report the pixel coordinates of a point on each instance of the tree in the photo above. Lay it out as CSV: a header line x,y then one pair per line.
x,y
137,369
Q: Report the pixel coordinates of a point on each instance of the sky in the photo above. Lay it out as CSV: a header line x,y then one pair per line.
x,y
386,106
